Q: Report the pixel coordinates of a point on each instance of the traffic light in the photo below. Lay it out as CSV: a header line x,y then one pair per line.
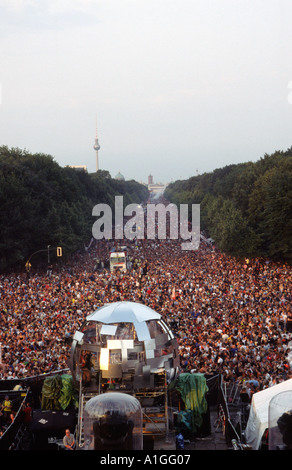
x,y
59,251
28,266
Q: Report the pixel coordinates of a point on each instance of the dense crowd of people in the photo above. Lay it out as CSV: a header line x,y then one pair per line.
x,y
232,317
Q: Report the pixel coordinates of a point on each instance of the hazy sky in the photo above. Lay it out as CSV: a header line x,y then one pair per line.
x,y
174,85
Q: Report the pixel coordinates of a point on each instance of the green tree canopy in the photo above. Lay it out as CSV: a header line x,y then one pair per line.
x,y
44,204
246,208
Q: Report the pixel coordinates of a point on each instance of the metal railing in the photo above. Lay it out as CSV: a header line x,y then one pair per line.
x,y
10,438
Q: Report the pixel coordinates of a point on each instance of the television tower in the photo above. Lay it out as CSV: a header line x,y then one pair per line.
x,y
96,148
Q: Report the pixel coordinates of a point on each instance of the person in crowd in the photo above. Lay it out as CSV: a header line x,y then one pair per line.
x,y
27,414
68,440
7,407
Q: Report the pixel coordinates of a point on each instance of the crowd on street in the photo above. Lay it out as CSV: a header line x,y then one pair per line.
x,y
230,316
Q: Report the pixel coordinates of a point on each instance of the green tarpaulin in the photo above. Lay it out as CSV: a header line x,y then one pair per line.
x,y
193,389
58,393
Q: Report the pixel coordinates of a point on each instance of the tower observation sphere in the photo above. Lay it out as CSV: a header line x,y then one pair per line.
x,y
96,148
96,145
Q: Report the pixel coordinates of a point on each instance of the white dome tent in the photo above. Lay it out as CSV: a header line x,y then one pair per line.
x,y
258,420
280,421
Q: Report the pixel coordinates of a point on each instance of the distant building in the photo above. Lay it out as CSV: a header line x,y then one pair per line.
x,y
150,179
120,177
155,188
78,167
